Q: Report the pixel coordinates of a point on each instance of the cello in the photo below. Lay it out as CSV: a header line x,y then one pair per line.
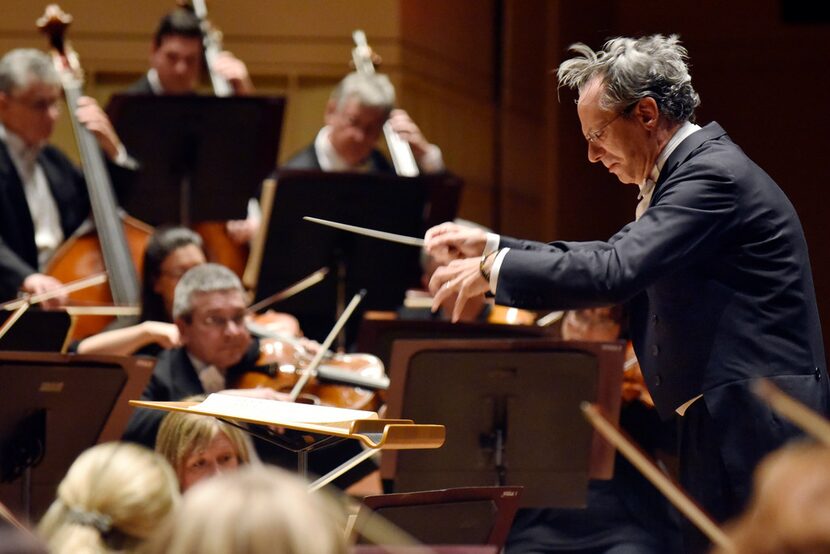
x,y
118,243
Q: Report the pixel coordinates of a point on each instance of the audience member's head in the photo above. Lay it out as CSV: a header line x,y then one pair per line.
x,y
256,510
789,512
199,447
30,95
355,114
176,53
170,252
112,498
209,309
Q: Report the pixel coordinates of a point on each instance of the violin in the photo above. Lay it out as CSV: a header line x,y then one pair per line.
x,y
341,380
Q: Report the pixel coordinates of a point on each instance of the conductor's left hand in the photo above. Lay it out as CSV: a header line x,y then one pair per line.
x,y
461,278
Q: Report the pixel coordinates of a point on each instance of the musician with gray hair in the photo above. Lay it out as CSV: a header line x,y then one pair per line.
x,y
209,310
43,198
714,267
355,113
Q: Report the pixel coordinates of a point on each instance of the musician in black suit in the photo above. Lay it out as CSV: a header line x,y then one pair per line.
x,y
176,59
209,309
715,268
43,198
354,118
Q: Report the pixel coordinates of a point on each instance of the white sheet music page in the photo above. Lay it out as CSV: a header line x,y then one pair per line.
x,y
276,411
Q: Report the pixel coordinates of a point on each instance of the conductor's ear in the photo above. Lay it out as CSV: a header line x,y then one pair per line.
x,y
647,112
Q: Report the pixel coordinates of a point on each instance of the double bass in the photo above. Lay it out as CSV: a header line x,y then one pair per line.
x,y
118,244
364,60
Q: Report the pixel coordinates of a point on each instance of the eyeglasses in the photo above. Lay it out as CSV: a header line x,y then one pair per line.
x,y
596,136
42,105
221,322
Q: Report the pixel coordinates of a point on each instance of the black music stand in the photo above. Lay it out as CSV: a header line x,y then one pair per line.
x,y
466,515
38,331
52,407
201,157
511,412
378,333
295,248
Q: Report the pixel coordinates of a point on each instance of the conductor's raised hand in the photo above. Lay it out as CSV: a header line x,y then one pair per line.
x,y
451,241
461,279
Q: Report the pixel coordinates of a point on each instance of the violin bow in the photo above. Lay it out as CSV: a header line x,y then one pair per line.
x,y
250,277
66,288
807,419
324,348
296,288
20,305
650,471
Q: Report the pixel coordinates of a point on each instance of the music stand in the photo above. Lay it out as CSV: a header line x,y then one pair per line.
x,y
53,407
511,412
466,515
201,157
378,333
295,248
38,331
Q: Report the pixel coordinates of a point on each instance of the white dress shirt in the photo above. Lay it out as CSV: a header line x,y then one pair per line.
x,y
42,206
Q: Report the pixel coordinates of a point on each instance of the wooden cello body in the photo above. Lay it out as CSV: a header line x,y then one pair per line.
x,y
117,245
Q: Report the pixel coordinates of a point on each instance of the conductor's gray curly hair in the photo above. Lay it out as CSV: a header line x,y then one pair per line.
x,y
633,69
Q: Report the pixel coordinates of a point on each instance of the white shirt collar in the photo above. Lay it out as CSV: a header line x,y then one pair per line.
x,y
18,149
327,156
679,136
155,82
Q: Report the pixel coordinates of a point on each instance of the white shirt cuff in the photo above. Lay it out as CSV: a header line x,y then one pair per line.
x,y
122,159
494,269
492,244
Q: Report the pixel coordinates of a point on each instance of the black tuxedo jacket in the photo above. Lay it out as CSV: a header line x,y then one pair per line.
x,y
717,273
720,289
173,379
307,159
18,252
141,86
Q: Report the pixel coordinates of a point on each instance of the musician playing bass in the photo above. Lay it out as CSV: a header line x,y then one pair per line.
x,y
176,59
354,118
43,198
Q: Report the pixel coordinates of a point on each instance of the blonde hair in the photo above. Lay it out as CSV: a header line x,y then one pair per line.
x,y
112,498
256,510
181,434
790,508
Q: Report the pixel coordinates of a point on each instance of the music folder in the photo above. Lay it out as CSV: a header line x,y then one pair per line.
x,y
320,426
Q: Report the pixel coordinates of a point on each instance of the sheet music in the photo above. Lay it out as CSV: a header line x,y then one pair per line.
x,y
276,411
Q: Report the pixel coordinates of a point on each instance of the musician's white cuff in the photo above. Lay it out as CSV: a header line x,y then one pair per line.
x,y
432,161
123,159
495,268
492,244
